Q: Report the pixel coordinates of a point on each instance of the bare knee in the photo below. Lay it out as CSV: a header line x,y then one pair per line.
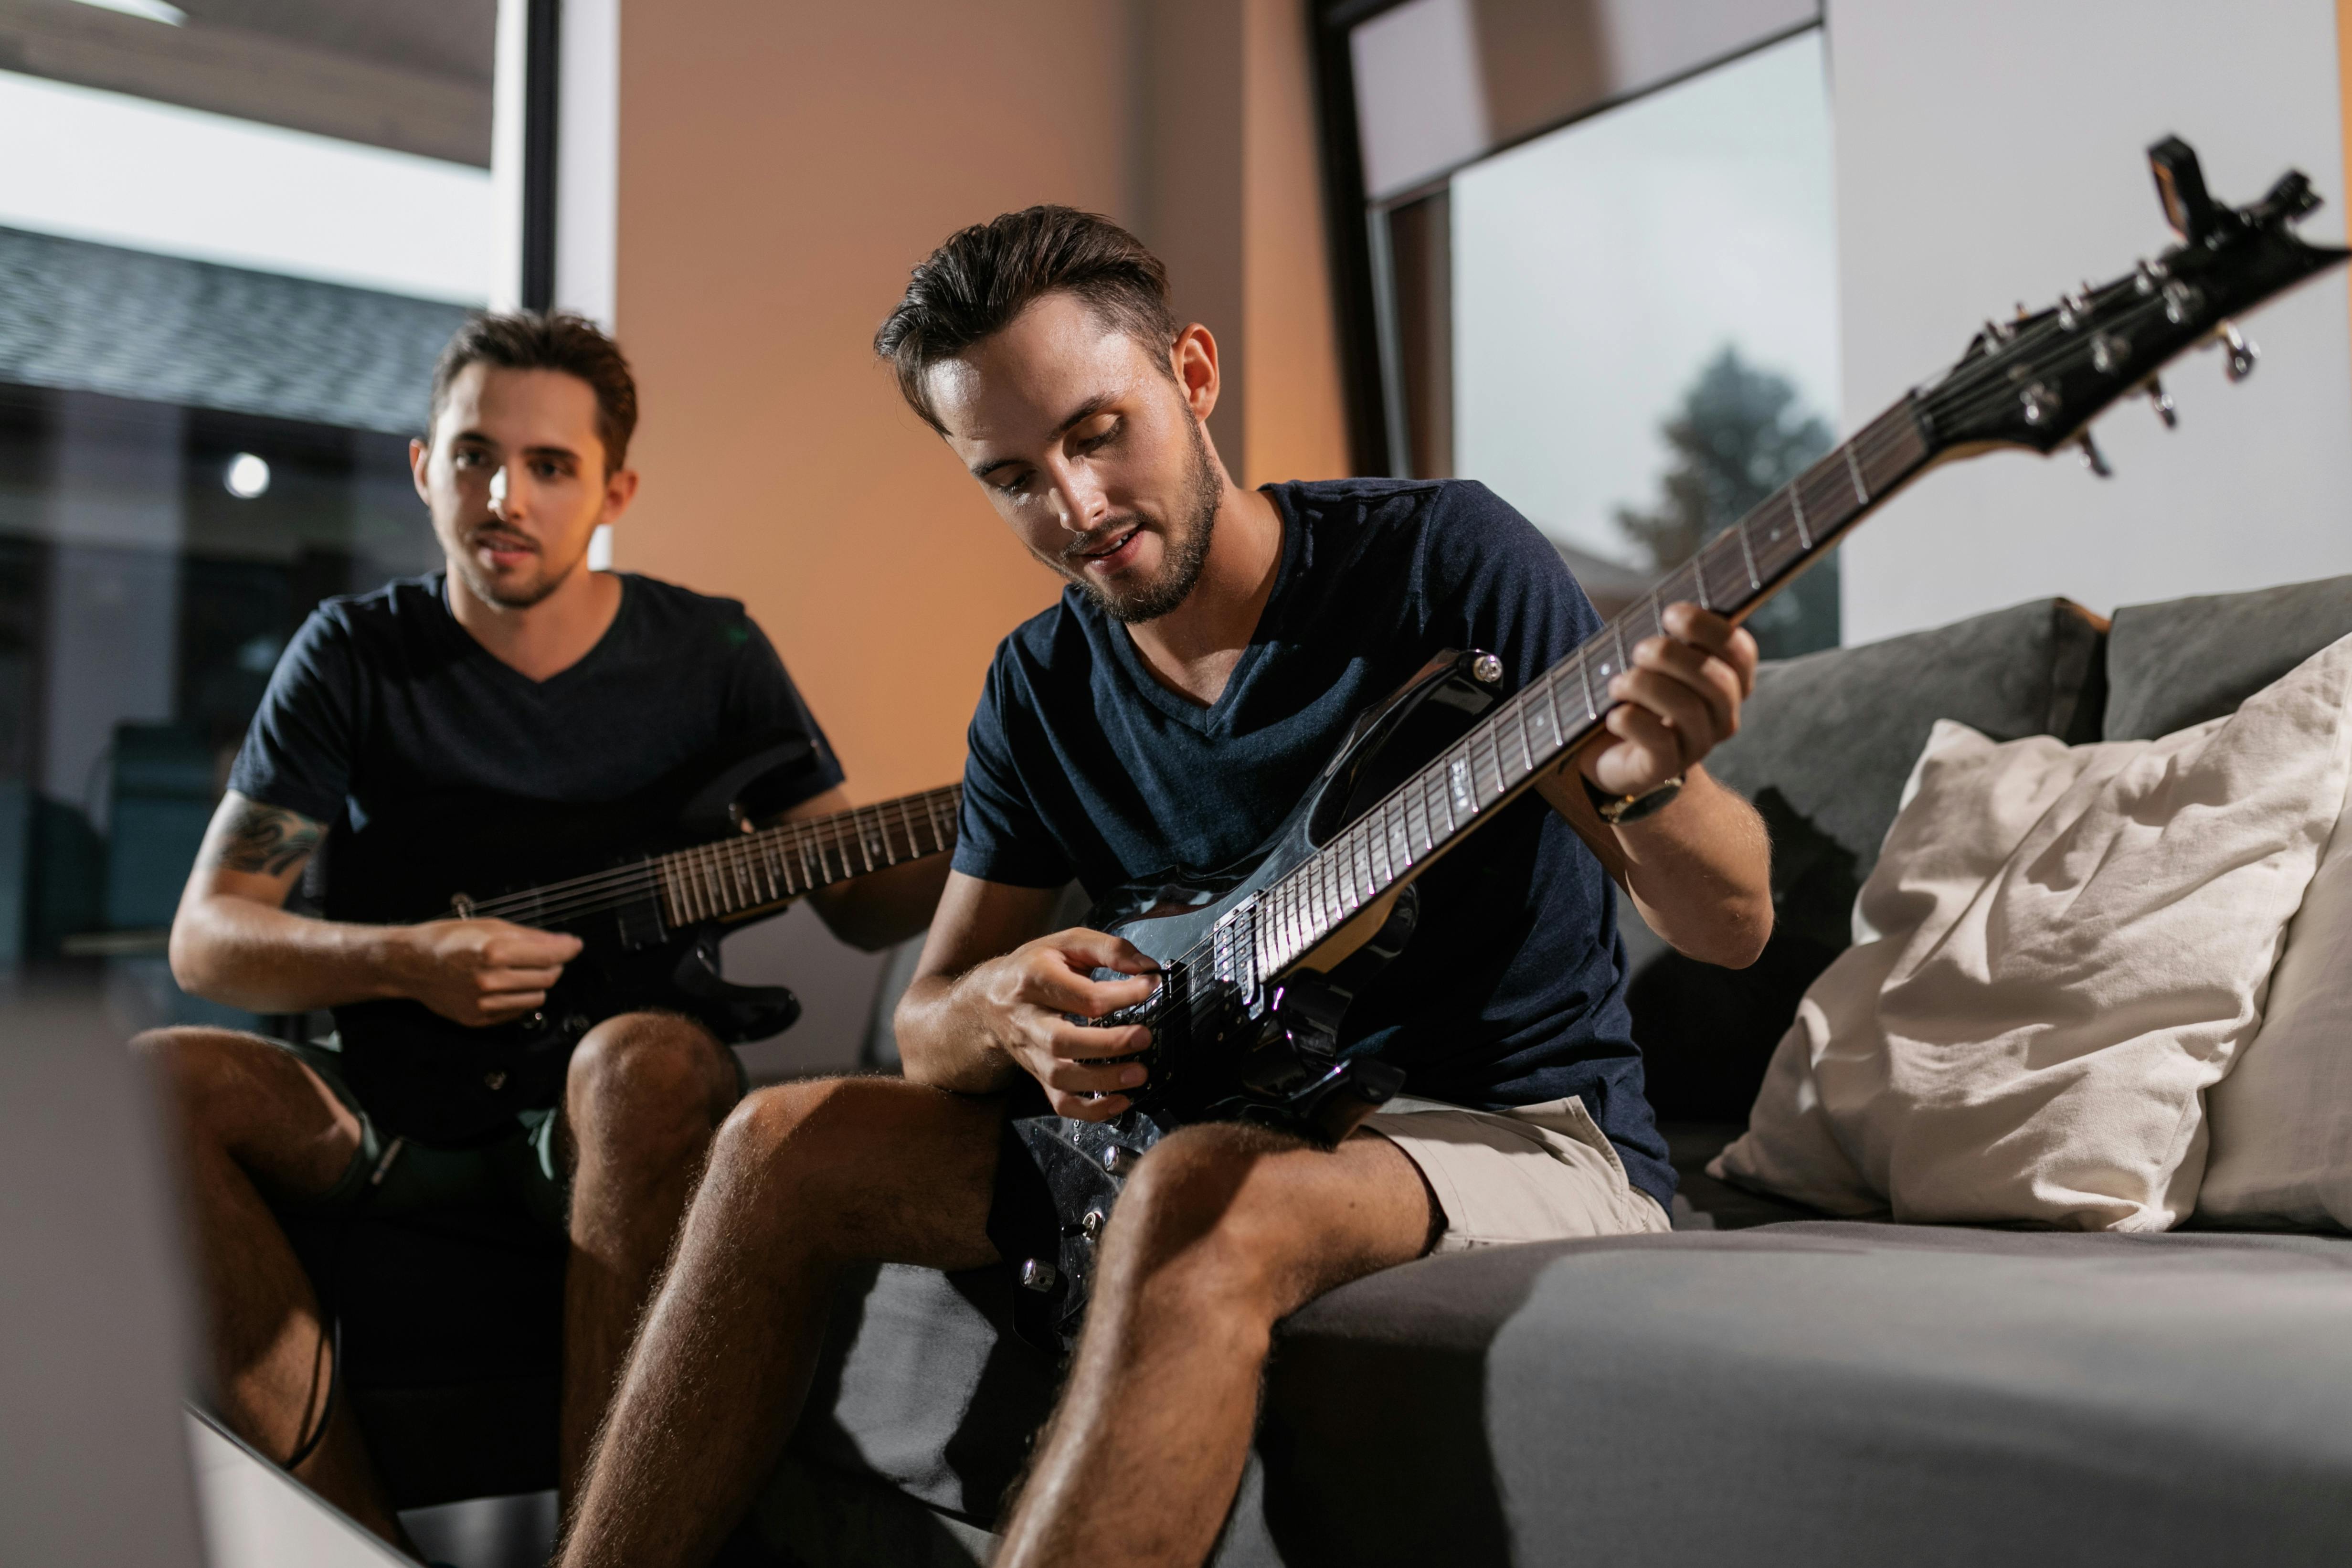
x,y
859,1168
1191,1227
216,1079
647,1076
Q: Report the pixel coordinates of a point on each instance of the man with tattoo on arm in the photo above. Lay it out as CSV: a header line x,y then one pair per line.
x,y
515,669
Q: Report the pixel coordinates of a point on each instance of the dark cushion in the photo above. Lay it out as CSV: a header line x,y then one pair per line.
x,y
922,1383
1823,750
1823,1392
2187,661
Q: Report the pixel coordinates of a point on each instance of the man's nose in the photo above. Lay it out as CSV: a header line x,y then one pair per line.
x,y
506,498
1077,499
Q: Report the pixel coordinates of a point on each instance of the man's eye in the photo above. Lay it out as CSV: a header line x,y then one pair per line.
x,y
1095,443
464,459
546,470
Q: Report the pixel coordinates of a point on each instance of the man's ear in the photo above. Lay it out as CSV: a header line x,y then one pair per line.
x,y
620,489
1193,358
419,454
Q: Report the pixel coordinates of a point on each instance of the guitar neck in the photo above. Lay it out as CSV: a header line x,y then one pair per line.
x,y
1530,734
737,876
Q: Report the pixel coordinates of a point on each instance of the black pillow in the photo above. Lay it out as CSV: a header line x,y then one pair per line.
x,y
2182,662
1822,751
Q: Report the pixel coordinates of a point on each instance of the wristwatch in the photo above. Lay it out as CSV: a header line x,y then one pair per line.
x,y
1617,810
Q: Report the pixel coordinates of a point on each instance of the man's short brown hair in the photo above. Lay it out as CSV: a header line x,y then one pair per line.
x,y
547,340
973,286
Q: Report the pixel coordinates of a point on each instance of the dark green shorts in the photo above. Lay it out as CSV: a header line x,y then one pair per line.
x,y
528,1167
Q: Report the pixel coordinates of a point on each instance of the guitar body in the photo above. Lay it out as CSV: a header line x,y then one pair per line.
x,y
427,1078
1217,1056
1222,1053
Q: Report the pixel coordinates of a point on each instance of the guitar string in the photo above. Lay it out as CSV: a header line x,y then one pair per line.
x,y
839,835
827,833
1874,441
1972,390
625,884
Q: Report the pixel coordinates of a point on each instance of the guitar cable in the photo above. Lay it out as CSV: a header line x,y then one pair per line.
x,y
331,1333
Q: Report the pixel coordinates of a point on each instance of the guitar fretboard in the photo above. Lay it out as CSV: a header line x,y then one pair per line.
x,y
737,876
1535,729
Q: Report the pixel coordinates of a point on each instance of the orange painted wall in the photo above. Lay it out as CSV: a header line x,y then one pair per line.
x,y
1297,426
782,166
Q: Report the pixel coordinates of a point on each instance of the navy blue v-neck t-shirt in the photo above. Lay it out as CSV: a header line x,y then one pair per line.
x,y
385,694
1512,991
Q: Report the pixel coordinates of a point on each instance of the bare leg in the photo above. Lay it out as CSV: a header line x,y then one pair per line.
x,y
1224,1231
643,1094
251,1117
802,1178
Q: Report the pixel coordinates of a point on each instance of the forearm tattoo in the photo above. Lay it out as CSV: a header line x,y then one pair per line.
x,y
266,840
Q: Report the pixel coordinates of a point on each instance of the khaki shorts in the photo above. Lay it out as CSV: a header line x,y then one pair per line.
x,y
1534,1172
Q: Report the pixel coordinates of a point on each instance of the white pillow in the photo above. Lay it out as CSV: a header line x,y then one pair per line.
x,y
2282,1121
2059,950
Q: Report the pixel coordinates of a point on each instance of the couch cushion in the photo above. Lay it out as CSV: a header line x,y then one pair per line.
x,y
2187,661
1822,751
1824,1392
922,1383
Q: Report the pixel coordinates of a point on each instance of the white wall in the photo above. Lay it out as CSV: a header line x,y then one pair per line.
x,y
1993,151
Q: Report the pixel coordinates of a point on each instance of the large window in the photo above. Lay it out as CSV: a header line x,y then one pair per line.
x,y
234,234
1597,268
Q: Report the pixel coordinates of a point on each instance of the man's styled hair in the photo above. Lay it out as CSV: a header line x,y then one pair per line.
x,y
545,339
973,286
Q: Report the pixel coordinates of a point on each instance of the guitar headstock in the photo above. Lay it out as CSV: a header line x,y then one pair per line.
x,y
2039,380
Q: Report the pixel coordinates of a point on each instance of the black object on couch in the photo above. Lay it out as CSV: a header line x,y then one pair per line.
x,y
1742,1391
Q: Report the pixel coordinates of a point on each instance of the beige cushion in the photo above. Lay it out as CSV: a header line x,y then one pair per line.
x,y
2059,950
2282,1121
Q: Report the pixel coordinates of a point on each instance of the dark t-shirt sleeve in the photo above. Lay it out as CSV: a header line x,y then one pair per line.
x,y
297,753
1491,581
1001,836
762,700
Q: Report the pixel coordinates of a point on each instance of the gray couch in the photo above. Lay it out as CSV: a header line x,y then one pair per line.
x,y
1762,1386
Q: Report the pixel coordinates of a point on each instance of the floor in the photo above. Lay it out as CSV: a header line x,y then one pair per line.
x,y
255,1516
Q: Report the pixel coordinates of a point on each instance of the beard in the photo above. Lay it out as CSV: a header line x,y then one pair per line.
x,y
1186,550
512,592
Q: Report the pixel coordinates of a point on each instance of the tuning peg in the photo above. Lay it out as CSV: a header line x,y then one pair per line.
x,y
2242,354
2093,458
2161,401
1997,331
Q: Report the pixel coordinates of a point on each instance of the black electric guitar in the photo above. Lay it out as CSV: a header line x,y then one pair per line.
x,y
1258,964
650,884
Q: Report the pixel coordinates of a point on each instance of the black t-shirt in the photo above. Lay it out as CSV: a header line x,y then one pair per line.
x,y
1512,989
382,695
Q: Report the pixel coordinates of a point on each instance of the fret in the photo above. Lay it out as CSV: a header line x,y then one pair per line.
x,y
1583,673
1748,556
1449,783
1796,514
1416,824
931,813
1361,851
1383,866
1775,550
1495,760
1540,725
1861,490
1724,592
1516,712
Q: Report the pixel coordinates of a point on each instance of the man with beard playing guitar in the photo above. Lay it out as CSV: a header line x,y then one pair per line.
x,y
517,671
1213,649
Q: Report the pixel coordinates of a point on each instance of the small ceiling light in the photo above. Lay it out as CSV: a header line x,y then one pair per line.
x,y
247,475
151,10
